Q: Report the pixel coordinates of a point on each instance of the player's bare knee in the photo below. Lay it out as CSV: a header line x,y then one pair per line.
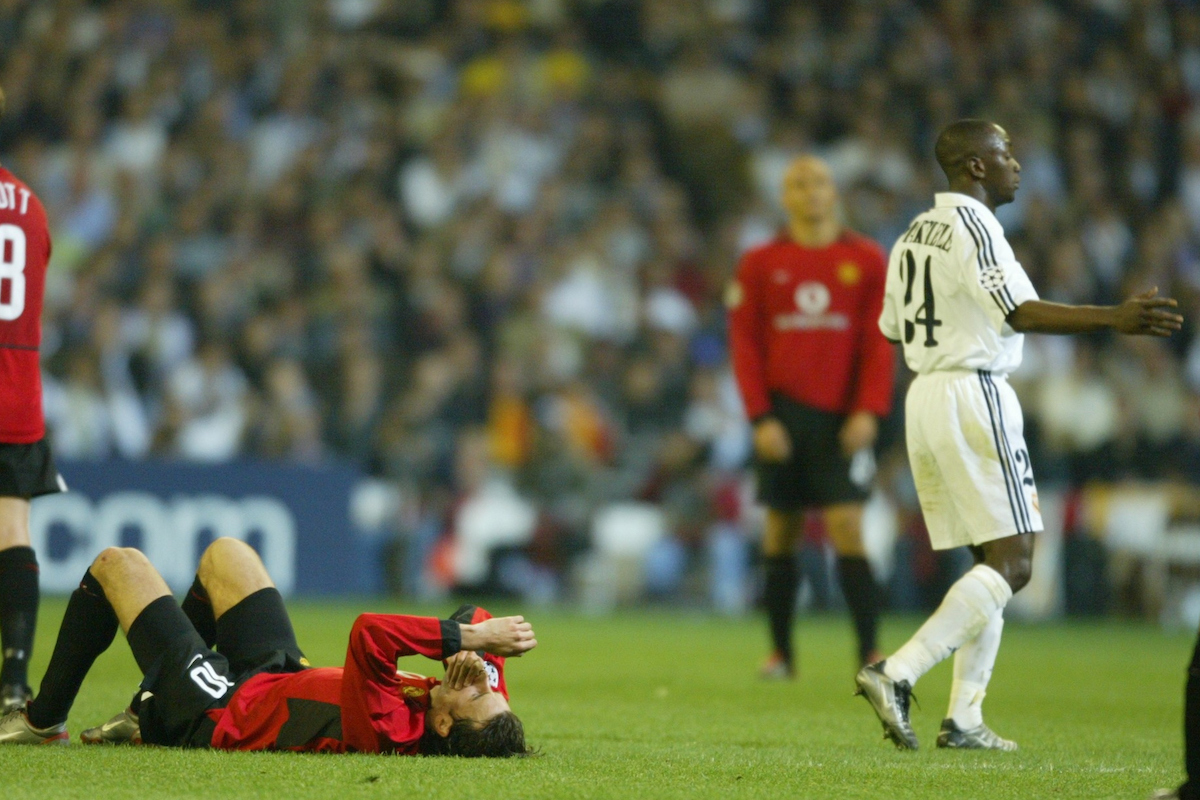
x,y
223,551
1018,573
118,560
780,532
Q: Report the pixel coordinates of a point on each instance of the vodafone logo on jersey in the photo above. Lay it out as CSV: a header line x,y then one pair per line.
x,y
813,299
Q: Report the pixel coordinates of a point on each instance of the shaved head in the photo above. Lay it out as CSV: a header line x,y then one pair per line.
x,y
967,138
976,156
810,199
805,166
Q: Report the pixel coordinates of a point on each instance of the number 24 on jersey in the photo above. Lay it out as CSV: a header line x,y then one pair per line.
x,y
926,311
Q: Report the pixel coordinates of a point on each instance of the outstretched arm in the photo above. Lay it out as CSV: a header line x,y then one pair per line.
x,y
1144,314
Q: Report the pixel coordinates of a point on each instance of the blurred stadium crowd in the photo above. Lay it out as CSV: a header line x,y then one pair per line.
x,y
481,245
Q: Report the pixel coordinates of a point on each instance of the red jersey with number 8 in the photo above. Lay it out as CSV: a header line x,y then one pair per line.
x,y
24,253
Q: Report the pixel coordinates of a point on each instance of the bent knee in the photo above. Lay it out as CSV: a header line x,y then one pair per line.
x,y
114,558
223,554
1019,573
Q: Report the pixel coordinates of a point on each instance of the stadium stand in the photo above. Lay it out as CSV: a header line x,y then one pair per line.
x,y
462,242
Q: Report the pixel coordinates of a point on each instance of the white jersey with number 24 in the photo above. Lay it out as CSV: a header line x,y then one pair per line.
x,y
952,281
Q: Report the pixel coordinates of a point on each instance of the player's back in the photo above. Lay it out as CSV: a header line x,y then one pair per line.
x,y
24,254
952,282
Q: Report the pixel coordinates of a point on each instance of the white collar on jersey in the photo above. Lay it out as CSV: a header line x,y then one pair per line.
x,y
952,199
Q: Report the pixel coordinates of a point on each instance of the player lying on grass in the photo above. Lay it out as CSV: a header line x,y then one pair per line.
x,y
256,691
959,302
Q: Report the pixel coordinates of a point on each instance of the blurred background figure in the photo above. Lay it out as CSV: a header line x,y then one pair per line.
x,y
815,375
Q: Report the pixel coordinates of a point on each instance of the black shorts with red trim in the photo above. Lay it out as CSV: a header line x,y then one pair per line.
x,y
28,471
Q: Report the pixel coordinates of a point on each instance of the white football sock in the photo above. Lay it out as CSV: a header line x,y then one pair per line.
x,y
963,613
972,670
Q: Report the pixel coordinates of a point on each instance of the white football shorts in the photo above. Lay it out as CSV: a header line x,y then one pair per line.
x,y
969,460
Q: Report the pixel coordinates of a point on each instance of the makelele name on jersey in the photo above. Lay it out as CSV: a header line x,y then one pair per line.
x,y
812,311
929,232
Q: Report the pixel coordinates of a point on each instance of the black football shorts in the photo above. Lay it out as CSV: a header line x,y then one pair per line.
x,y
818,474
188,679
27,471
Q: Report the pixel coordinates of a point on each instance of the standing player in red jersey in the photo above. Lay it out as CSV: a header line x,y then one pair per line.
x,y
815,376
26,467
256,691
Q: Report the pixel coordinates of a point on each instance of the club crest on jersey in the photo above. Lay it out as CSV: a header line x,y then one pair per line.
x,y
734,294
812,300
849,273
493,674
413,691
812,297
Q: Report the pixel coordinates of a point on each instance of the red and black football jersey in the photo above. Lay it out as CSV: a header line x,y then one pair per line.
x,y
24,254
367,705
803,323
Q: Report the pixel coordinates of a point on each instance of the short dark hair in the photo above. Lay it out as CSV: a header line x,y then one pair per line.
x,y
959,141
502,736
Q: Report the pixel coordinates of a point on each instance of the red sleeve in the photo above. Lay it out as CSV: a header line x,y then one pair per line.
x,y
877,357
747,338
375,716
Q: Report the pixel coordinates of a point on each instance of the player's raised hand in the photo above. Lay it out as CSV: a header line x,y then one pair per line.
x,y
771,440
1147,314
500,636
462,669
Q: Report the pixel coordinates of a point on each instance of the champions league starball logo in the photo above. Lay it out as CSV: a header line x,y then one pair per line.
x,y
493,674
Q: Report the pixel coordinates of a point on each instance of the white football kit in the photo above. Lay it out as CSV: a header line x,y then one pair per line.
x,y
952,281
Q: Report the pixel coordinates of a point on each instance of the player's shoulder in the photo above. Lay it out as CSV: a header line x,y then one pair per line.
x,y
22,189
864,249
861,242
8,176
764,253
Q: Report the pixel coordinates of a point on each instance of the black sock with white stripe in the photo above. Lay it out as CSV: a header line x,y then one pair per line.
x,y
88,628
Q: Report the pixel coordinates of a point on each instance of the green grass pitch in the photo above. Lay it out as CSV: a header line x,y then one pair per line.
x,y
666,705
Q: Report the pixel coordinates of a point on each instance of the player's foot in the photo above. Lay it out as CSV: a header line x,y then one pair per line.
x,y
15,729
1165,794
980,738
777,668
124,728
890,699
14,697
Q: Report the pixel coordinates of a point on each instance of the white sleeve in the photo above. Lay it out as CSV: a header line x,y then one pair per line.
x,y
889,320
1001,283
